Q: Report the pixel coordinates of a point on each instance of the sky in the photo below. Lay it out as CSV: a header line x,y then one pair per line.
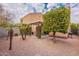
x,y
22,9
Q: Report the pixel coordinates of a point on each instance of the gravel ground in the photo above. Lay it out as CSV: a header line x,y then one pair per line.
x,y
40,47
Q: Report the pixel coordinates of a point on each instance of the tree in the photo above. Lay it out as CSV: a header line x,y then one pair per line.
x,y
9,27
23,30
5,17
11,37
56,20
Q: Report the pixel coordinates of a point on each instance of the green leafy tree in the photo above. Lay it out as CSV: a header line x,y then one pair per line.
x,y
23,30
8,27
5,19
56,20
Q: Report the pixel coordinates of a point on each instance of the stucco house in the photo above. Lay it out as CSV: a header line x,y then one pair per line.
x,y
33,19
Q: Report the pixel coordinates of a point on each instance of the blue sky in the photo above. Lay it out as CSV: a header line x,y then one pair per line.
x,y
21,9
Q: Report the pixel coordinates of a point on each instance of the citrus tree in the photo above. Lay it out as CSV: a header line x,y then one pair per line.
x,y
56,20
9,28
24,30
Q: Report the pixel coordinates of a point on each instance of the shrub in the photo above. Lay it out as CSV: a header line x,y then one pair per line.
x,y
74,28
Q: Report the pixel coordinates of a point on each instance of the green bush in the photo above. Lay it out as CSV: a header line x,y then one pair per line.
x,y
74,28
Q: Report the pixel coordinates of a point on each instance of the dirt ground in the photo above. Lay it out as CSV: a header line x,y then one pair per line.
x,y
40,47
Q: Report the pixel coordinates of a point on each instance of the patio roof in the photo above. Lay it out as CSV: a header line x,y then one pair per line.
x,y
32,18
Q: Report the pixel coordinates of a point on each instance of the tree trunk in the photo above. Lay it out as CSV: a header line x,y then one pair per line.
x,y
21,32
11,37
54,36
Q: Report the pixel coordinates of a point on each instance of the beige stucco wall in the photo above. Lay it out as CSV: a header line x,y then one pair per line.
x,y
32,17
